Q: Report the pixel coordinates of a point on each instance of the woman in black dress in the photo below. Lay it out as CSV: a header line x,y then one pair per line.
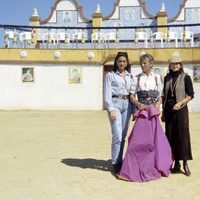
x,y
178,91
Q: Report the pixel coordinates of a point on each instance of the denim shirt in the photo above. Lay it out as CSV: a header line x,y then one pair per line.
x,y
116,84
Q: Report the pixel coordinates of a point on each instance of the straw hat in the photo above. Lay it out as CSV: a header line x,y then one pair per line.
x,y
176,58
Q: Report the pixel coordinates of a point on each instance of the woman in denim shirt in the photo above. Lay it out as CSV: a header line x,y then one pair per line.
x,y
117,88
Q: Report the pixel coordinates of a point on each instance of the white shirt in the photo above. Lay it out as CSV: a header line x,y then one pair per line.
x,y
147,83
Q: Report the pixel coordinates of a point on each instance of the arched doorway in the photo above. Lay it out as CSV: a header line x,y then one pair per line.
x,y
108,64
106,69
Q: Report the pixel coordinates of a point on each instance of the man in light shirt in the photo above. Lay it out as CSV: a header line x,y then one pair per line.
x,y
148,155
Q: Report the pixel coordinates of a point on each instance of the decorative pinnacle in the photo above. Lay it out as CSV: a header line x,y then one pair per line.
x,y
162,8
35,13
98,10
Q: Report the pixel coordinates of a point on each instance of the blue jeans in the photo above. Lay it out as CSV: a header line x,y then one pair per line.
x,y
123,109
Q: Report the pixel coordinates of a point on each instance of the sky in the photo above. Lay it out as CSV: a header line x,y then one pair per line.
x,y
17,12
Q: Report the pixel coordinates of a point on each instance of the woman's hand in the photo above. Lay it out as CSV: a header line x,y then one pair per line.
x,y
113,115
141,106
157,106
158,103
162,117
178,106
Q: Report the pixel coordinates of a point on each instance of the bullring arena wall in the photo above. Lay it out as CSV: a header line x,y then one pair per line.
x,y
53,87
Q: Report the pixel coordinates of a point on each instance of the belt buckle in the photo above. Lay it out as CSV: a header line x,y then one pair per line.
x,y
125,97
153,100
148,99
120,97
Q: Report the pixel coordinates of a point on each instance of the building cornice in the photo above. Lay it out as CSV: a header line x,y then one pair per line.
x,y
53,8
181,7
142,5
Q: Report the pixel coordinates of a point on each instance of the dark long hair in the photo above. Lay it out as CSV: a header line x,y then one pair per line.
x,y
123,54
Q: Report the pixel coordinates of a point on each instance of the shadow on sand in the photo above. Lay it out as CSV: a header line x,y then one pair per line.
x,y
103,165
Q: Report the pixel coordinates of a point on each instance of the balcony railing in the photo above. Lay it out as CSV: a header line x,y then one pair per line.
x,y
16,36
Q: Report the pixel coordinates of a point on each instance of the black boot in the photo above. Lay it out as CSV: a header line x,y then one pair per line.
x,y
177,167
186,168
116,167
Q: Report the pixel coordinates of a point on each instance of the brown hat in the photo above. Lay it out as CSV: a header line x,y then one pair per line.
x,y
175,58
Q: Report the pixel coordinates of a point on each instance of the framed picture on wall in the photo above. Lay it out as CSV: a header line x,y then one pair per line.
x,y
196,73
75,75
158,70
27,74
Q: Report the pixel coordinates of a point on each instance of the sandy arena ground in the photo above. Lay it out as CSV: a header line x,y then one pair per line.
x,y
65,155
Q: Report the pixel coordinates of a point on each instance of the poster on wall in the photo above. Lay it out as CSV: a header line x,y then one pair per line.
x,y
196,73
157,70
27,74
75,75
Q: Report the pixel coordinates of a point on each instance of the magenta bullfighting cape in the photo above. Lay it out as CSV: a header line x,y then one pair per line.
x,y
148,155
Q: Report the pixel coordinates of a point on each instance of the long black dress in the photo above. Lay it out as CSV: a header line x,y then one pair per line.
x,y
177,122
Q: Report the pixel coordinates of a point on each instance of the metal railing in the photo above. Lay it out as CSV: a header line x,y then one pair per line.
x,y
23,36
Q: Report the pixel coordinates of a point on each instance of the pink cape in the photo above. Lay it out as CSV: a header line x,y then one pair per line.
x,y
148,155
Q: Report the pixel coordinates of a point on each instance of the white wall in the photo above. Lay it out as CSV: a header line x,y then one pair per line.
x,y
189,4
192,4
129,3
50,89
66,5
